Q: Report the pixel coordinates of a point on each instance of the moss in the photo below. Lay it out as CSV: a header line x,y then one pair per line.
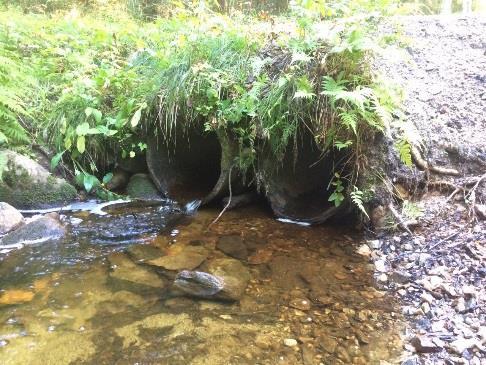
x,y
23,192
142,187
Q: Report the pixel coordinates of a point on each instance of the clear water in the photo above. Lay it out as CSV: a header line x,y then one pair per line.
x,y
61,304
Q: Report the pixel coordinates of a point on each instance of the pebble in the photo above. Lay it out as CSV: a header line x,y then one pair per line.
x,y
424,345
364,250
290,342
380,265
461,344
383,278
300,303
374,244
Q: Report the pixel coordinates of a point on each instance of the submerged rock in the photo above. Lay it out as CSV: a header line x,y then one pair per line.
x,y
180,257
141,186
25,184
233,246
10,218
38,230
225,279
234,274
124,269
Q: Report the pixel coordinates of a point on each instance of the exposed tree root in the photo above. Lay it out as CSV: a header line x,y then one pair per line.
x,y
399,219
424,165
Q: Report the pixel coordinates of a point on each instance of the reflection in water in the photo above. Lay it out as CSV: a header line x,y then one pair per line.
x,y
94,298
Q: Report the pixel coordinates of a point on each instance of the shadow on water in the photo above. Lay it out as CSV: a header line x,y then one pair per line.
x,y
95,297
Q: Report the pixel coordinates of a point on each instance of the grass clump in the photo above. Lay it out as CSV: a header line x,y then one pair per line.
x,y
100,84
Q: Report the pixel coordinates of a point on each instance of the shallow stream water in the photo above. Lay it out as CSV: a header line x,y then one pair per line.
x,y
66,302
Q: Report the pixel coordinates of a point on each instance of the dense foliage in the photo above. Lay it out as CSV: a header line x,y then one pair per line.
x,y
91,87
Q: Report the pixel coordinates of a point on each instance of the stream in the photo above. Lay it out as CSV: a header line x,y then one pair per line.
x,y
93,297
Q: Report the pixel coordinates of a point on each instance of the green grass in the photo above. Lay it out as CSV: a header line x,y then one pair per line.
x,y
91,87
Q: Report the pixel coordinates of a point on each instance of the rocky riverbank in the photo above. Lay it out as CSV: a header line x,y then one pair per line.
x,y
438,272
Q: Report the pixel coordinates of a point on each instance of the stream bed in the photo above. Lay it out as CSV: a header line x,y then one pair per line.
x,y
93,297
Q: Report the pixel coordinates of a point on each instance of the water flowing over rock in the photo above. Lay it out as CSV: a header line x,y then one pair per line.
x,y
25,184
38,230
10,218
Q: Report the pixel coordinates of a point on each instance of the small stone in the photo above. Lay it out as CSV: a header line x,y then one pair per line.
x,y
364,250
383,278
380,265
424,345
411,361
460,345
300,303
431,282
290,342
3,343
374,244
425,307
327,343
427,297
460,305
469,290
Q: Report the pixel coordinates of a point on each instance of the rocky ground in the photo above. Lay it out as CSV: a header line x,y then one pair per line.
x,y
438,271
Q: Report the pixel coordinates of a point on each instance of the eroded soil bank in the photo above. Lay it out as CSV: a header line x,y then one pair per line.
x,y
442,265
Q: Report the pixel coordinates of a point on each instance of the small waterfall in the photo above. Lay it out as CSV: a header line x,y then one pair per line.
x,y
192,207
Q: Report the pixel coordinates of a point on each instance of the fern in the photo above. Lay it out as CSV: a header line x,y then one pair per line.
x,y
357,198
405,151
350,120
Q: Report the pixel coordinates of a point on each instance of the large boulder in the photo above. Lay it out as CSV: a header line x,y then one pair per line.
x,y
37,230
10,218
142,187
27,185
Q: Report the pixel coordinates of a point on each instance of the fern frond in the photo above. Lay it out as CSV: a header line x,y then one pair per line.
x,y
357,198
405,152
349,120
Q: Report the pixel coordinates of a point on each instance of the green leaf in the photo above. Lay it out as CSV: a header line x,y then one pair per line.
x,y
56,159
94,131
97,115
89,182
81,144
136,118
82,129
107,178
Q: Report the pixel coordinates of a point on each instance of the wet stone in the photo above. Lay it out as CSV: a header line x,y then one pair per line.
x,y
290,342
123,268
39,230
300,303
327,343
181,258
143,252
233,246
